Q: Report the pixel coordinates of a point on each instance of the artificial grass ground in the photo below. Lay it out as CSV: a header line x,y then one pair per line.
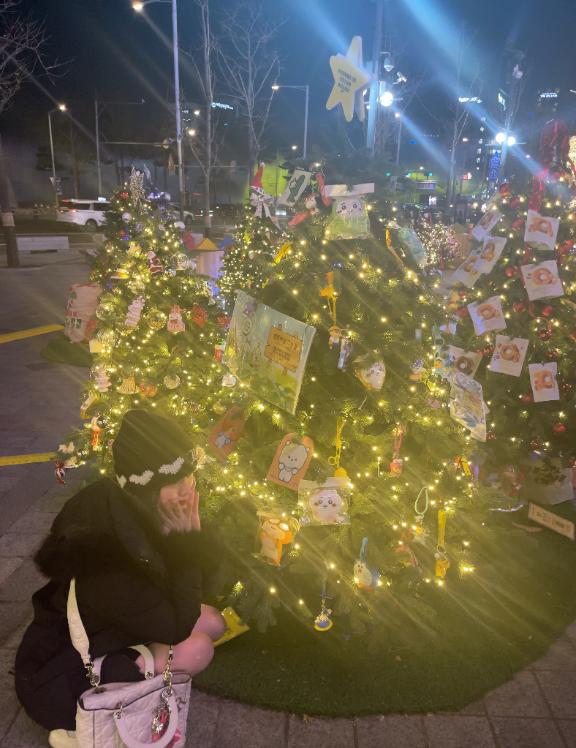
x,y
62,351
521,598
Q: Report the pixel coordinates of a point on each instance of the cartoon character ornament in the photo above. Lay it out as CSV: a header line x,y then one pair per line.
x,y
364,577
226,433
275,533
324,503
154,264
175,322
371,373
323,621
291,461
349,212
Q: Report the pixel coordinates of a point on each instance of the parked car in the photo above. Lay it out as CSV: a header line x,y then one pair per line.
x,y
191,215
88,213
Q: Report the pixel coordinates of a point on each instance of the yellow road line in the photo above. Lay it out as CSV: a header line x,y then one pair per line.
x,y
29,333
26,459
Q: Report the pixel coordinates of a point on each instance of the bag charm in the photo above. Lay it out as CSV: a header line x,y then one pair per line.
x,y
323,621
442,562
364,577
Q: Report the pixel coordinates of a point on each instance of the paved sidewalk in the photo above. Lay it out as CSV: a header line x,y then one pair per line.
x,y
537,709
38,402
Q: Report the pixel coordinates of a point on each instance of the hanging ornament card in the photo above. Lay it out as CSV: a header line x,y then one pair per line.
x,y
469,271
487,315
490,253
509,355
453,360
542,280
467,406
291,461
297,183
485,225
349,218
268,351
541,231
543,379
371,373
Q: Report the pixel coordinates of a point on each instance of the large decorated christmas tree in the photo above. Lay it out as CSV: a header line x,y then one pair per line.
x,y
343,474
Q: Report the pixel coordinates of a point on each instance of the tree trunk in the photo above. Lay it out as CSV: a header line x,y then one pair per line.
x,y
9,231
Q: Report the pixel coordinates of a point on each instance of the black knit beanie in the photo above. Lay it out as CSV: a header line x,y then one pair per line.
x,y
150,451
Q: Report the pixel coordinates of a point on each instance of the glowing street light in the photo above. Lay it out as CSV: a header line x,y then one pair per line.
x,y
511,140
503,137
62,107
294,147
386,98
137,6
191,132
58,108
500,137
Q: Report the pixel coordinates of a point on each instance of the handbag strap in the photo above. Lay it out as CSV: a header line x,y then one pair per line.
x,y
78,635
142,649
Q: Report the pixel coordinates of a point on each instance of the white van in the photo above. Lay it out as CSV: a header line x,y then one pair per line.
x,y
88,213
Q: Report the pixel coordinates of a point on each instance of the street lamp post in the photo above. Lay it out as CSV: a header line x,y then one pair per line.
x,y
138,6
306,89
59,108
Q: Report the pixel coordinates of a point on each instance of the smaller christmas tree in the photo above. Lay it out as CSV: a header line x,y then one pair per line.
x,y
159,331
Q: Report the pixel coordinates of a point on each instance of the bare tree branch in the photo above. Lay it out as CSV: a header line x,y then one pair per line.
x,y
22,57
250,67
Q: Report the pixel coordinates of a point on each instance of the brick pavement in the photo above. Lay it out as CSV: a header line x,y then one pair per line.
x,y
537,709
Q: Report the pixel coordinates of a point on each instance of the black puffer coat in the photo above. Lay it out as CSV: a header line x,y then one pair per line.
x,y
133,586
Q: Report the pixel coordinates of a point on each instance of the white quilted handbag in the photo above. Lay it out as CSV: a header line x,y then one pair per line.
x,y
152,712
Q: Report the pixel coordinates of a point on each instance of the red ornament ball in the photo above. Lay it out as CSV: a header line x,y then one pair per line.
x,y
548,310
559,428
545,334
566,387
488,350
518,307
504,189
515,202
123,195
534,445
517,224
553,354
565,247
526,398
511,272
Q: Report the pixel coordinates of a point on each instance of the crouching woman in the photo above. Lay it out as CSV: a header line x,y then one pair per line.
x,y
140,560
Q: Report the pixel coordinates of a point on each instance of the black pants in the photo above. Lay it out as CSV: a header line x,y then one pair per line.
x,y
49,696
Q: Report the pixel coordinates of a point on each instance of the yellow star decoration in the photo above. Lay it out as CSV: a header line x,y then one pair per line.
x,y
348,78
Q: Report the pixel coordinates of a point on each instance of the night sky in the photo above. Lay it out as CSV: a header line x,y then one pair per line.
x,y
105,47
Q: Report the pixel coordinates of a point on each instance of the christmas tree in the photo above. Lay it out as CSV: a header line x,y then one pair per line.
x,y
357,487
159,329
514,332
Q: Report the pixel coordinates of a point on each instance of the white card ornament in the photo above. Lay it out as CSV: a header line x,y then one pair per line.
x,y
490,253
459,360
349,218
371,373
509,354
487,315
544,382
365,577
467,406
349,80
486,224
541,231
542,280
297,183
324,503
468,272
134,312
